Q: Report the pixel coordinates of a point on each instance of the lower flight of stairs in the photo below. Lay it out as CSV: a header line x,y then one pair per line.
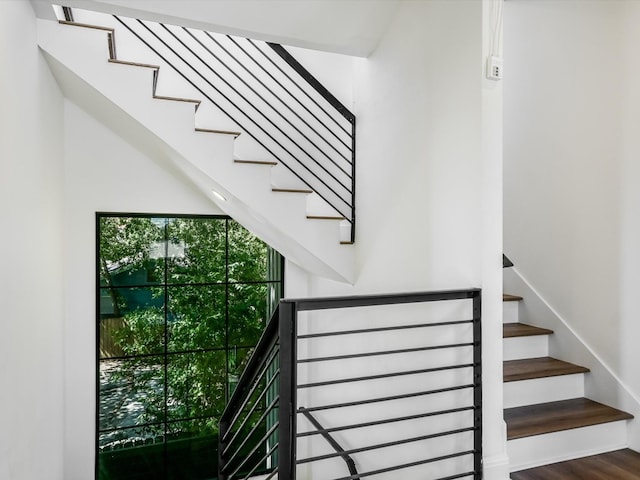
x,y
553,431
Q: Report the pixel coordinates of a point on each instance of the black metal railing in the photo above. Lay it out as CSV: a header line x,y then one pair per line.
x,y
275,378
268,95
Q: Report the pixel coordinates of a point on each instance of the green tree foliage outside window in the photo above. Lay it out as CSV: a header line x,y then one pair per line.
x,y
182,302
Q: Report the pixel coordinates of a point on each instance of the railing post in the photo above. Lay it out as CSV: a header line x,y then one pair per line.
x,y
477,390
288,382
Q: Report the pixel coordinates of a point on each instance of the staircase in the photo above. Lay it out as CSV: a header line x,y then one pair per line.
x,y
240,172
553,431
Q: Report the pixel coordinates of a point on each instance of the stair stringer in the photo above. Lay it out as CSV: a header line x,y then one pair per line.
x,y
602,384
78,59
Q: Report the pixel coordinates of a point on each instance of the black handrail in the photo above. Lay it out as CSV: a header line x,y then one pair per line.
x,y
281,454
311,80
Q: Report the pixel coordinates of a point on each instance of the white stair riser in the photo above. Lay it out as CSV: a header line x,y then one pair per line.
x,y
543,390
510,312
517,348
555,447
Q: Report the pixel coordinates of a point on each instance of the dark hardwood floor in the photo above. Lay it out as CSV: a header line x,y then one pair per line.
x,y
618,465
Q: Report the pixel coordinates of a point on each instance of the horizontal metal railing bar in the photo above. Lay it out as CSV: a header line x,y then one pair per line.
x,y
278,97
384,421
264,458
238,431
311,80
258,95
389,398
384,375
268,409
304,304
254,449
383,352
408,465
382,329
258,444
350,120
386,445
296,99
240,95
256,384
261,143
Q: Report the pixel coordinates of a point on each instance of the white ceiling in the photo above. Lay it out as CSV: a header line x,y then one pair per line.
x,y
352,27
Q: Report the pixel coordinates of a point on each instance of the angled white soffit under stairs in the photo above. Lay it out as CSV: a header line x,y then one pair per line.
x,y
121,97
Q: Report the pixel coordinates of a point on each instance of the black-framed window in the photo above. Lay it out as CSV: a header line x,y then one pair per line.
x,y
181,302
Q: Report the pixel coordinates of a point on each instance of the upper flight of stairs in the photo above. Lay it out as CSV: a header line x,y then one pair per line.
x,y
122,94
548,418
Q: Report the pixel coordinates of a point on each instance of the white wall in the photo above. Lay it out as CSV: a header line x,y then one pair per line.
x,y
628,258
429,179
428,212
102,173
571,169
31,354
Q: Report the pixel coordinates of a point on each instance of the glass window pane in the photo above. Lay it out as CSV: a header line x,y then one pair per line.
x,y
137,326
180,311
131,251
198,250
247,255
134,454
247,313
131,393
196,385
190,450
196,318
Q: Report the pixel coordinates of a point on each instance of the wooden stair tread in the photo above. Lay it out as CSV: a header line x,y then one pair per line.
x,y
510,330
134,64
291,190
324,217
542,367
178,99
256,162
85,25
556,416
618,465
510,298
223,132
